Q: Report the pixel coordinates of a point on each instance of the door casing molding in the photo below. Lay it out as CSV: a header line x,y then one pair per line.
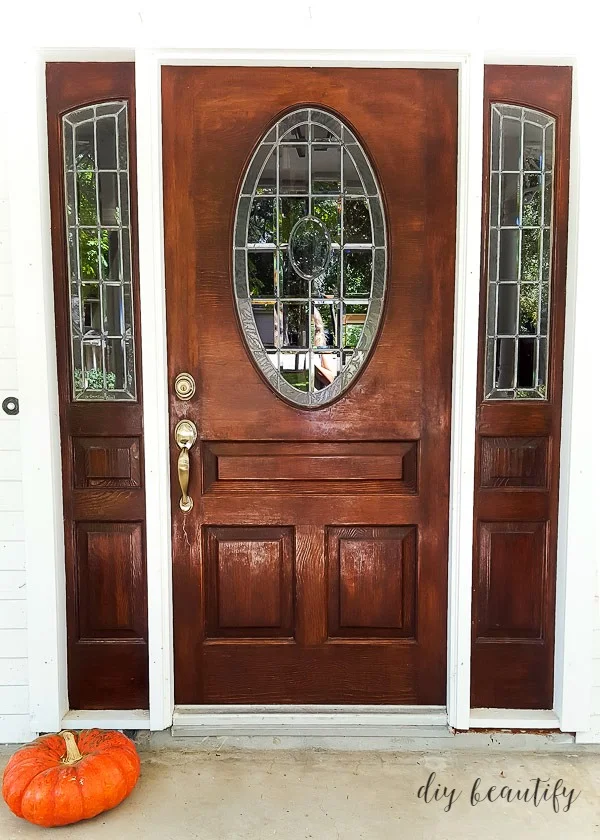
x,y
38,388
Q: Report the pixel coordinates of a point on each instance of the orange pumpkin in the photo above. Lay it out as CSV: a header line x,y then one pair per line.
x,y
61,779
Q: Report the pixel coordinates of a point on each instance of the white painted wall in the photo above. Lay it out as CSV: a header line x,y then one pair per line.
x,y
326,25
14,702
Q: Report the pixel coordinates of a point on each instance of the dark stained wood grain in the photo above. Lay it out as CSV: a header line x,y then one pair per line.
x,y
106,462
311,585
110,566
514,462
372,582
102,452
517,456
352,467
378,458
512,558
249,582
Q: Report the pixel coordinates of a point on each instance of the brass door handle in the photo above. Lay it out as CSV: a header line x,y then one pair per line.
x,y
185,438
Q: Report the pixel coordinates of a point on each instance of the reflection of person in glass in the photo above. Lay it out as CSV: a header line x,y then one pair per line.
x,y
325,367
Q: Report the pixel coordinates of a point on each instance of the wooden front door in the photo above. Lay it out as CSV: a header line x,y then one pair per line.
x,y
312,567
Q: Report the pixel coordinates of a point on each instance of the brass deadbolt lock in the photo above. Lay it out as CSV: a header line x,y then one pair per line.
x,y
185,386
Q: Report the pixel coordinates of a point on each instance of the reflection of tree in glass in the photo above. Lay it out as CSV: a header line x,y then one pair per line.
x,y
295,324
532,199
528,309
90,246
530,256
328,211
326,186
357,273
328,283
529,296
290,211
353,332
357,222
261,223
261,278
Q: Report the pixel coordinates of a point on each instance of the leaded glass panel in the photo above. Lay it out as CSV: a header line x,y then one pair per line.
x,y
96,162
309,257
519,250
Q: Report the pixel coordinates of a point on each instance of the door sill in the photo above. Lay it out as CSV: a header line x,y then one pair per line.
x,y
106,719
513,719
310,721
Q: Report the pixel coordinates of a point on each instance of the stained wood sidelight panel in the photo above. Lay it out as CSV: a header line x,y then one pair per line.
x,y
518,418
110,567
98,340
512,581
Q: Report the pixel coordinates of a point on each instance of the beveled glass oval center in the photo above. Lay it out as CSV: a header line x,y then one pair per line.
x,y
309,257
309,247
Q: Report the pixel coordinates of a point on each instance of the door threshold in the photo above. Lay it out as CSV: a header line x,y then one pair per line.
x,y
106,719
309,721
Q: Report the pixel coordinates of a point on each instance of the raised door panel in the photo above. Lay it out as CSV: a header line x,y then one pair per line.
x,y
512,462
249,575
511,584
109,576
303,468
107,462
372,581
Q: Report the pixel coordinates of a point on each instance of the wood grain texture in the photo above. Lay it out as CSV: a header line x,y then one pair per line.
x,y
102,451
372,581
110,566
354,467
512,580
262,462
249,582
370,584
517,460
514,462
106,462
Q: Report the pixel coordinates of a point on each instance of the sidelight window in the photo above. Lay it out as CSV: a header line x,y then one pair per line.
x,y
96,165
309,257
521,194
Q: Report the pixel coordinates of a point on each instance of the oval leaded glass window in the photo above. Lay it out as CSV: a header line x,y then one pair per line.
x,y
309,257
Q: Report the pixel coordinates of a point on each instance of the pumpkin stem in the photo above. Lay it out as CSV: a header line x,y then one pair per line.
x,y
73,755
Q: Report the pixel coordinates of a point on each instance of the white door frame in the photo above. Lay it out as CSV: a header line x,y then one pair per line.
x,y
39,393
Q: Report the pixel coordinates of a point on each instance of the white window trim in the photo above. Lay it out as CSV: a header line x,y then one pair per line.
x,y
38,387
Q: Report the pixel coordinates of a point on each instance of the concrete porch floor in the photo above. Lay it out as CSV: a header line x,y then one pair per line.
x,y
209,789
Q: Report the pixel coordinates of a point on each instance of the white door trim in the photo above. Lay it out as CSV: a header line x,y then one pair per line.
x,y
38,389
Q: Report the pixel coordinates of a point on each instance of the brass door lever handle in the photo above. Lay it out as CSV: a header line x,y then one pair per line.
x,y
185,438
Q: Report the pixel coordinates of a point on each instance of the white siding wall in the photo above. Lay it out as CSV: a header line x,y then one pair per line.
x,y
14,711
